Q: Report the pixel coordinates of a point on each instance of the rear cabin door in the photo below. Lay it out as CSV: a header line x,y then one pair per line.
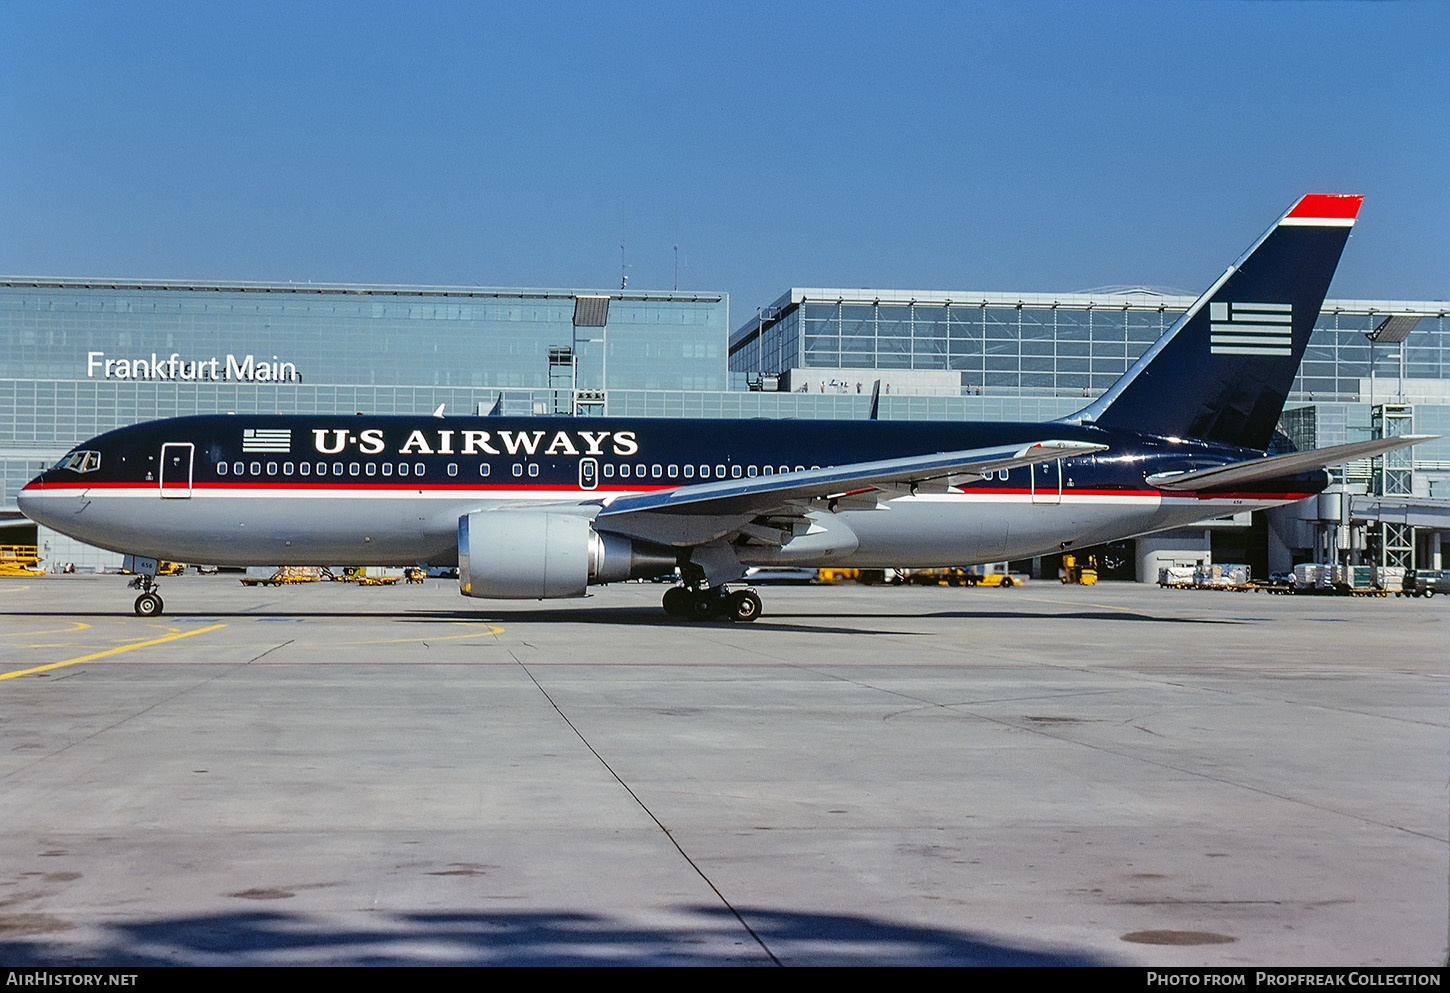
x,y
175,476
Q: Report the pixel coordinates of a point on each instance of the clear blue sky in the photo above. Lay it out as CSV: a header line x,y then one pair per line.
x,y
995,146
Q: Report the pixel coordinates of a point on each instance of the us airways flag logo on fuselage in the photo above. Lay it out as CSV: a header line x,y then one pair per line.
x,y
266,440
1250,328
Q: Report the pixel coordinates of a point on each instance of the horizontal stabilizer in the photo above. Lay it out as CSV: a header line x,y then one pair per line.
x,y
1279,466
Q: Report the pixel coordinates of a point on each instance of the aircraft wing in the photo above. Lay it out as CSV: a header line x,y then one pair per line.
x,y
688,515
1279,466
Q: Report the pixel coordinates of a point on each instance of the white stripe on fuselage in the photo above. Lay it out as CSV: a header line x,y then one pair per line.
x,y
358,525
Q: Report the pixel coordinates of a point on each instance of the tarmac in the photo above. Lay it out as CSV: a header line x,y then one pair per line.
x,y
1112,775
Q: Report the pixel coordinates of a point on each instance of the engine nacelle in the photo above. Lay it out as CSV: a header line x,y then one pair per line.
x,y
533,555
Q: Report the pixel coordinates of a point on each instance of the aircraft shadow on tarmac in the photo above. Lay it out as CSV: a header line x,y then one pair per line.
x,y
710,936
653,617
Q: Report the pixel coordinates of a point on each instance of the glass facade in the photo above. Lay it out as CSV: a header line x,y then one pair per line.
x,y
1065,346
1050,351
1001,356
81,357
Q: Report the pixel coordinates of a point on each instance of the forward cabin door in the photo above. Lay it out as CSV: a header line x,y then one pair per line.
x,y
1047,481
175,475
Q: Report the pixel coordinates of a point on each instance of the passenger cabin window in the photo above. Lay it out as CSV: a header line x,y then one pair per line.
x,y
387,468
417,468
533,468
271,468
484,469
518,469
453,468
221,468
286,468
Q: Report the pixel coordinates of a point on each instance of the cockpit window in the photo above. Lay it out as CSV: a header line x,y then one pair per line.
x,y
80,462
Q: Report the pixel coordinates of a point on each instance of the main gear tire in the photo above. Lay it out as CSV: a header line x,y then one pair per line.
x,y
743,605
704,605
677,601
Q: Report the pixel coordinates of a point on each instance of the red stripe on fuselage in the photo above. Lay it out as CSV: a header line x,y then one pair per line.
x,y
330,487
387,488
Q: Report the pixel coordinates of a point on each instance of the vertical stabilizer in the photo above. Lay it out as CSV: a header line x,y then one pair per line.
x,y
1223,371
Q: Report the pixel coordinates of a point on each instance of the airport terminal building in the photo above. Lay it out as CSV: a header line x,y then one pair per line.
x,y
79,357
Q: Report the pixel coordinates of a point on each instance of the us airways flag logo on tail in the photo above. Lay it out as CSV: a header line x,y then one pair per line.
x,y
266,440
1250,328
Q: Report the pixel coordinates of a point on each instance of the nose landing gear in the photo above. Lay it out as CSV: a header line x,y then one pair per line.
x,y
149,603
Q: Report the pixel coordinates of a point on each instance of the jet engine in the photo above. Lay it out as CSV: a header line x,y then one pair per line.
x,y
529,555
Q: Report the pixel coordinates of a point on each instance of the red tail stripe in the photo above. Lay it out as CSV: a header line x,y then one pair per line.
x,y
1339,206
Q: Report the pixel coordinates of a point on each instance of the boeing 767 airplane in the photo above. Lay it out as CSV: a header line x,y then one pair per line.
x,y
542,507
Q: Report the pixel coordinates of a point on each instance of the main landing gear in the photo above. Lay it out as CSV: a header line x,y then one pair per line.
x,y
149,603
709,604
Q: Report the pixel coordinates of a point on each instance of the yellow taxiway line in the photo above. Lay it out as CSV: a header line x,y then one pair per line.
x,y
109,651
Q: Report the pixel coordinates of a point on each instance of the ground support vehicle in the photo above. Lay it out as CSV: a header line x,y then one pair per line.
x,y
1234,578
1073,572
285,576
1424,583
1341,580
1004,580
932,577
19,560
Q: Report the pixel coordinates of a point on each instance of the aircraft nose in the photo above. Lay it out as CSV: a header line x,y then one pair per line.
x,y
26,498
35,503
